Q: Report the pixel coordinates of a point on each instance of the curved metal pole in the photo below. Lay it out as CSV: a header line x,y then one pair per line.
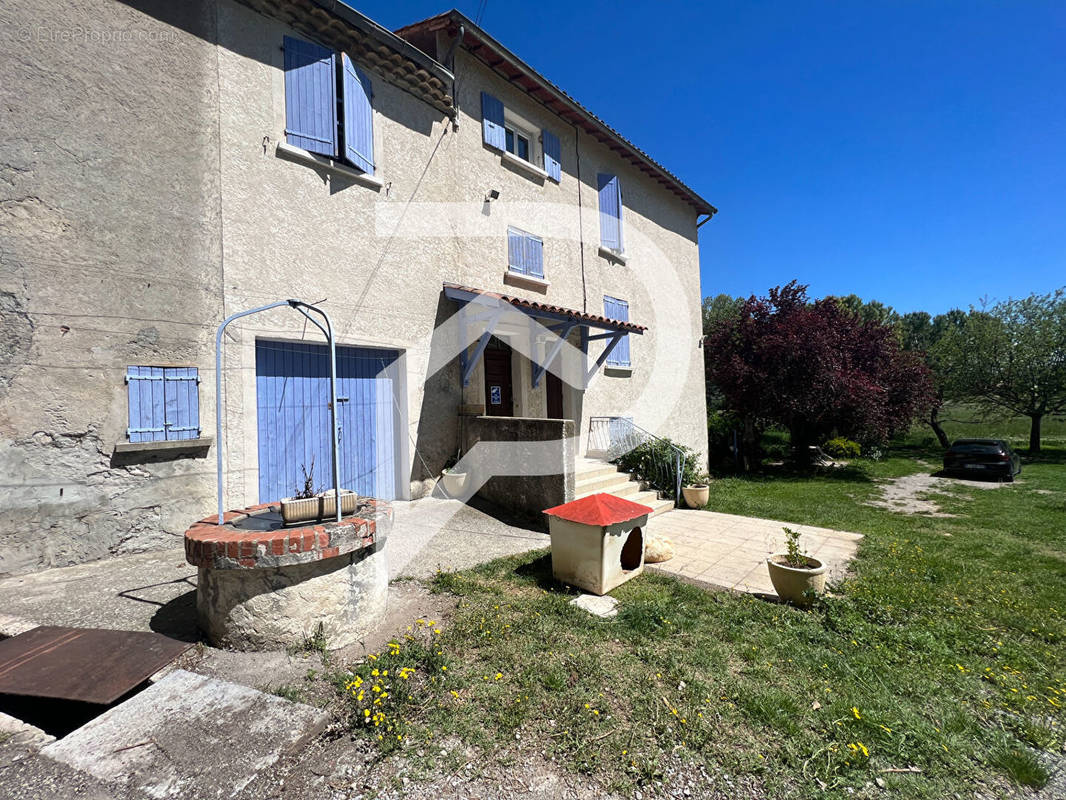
x,y
335,443
299,305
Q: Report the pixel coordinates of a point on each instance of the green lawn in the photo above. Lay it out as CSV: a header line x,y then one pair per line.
x,y
960,420
943,652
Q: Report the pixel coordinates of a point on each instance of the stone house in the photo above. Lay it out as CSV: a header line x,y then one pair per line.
x,y
498,263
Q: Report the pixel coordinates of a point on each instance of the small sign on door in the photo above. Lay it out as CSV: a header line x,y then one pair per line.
x,y
496,395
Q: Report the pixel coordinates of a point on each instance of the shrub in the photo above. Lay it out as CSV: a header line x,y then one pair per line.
x,y
653,463
840,447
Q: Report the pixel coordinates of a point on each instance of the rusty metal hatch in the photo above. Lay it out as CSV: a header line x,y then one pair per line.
x,y
88,665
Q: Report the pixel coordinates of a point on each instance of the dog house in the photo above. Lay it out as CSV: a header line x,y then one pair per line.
x,y
597,542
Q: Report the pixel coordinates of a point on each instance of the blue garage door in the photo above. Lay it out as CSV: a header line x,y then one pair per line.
x,y
292,391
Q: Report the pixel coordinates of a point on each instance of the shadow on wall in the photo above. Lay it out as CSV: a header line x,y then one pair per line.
x,y
198,18
437,438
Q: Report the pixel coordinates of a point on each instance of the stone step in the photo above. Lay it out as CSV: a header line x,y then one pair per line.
x,y
601,483
588,468
626,489
658,506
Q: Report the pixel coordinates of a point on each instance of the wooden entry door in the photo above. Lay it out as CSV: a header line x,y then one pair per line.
x,y
499,394
553,387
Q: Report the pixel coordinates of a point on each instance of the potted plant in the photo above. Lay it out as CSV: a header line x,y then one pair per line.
x,y
454,482
305,504
797,577
698,492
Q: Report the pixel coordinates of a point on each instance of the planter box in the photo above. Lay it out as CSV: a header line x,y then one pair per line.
x,y
323,506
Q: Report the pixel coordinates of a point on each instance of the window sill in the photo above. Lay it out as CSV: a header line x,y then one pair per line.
x,y
525,166
613,255
526,281
618,371
301,156
203,443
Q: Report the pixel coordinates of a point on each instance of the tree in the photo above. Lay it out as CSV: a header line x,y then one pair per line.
x,y
921,333
716,309
816,368
1011,357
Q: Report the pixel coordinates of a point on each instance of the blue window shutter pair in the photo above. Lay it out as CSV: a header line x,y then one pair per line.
x,y
552,155
492,121
525,253
311,104
613,308
610,211
164,403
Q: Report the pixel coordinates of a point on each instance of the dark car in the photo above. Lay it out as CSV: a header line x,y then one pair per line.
x,y
991,457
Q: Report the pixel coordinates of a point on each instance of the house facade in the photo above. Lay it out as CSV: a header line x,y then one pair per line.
x,y
497,263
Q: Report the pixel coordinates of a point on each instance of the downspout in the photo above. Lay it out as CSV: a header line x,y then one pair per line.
x,y
449,60
580,224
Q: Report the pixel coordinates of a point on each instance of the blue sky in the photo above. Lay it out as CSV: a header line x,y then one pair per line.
x,y
912,152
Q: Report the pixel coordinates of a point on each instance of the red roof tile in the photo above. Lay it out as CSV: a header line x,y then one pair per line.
x,y
534,306
599,510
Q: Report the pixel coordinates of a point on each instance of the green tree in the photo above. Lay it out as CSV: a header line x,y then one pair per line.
x,y
718,308
921,333
1010,357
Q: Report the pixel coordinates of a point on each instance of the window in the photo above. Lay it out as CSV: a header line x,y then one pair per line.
x,y
517,143
610,193
613,308
164,403
508,132
525,253
328,104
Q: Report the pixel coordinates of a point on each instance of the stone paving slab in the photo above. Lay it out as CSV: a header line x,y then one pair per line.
x,y
188,736
729,551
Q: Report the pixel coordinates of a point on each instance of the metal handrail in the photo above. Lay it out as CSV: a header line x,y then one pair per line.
x,y
616,436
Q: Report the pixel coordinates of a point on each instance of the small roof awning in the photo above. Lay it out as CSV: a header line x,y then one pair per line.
x,y
561,321
464,294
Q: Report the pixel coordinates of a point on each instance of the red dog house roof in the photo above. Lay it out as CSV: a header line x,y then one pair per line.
x,y
599,510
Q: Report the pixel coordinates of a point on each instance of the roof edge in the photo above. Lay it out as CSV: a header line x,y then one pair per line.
x,y
474,34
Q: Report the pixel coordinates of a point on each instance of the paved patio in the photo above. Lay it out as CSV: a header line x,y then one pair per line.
x,y
729,552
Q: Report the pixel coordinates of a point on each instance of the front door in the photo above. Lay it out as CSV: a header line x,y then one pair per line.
x,y
499,398
553,386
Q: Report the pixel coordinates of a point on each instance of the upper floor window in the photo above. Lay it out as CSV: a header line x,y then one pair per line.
x,y
507,132
328,104
610,196
164,403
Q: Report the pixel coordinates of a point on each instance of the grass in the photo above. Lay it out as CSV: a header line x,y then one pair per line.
x,y
963,420
943,652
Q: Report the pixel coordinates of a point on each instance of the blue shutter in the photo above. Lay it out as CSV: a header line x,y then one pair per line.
x,y
525,253
310,97
358,117
144,389
614,308
492,121
610,212
552,161
181,394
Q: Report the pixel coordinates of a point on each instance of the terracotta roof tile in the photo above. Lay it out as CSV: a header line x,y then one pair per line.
x,y
534,306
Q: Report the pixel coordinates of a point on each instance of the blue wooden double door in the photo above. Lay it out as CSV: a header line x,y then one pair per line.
x,y
292,399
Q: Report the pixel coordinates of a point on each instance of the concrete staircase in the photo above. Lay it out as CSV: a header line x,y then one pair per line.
x,y
592,476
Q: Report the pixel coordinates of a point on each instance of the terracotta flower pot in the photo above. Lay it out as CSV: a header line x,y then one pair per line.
x,y
454,483
796,584
697,495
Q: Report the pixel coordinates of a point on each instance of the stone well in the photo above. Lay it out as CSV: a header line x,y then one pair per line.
x,y
263,586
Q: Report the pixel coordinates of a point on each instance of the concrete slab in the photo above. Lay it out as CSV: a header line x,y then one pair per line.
x,y
729,551
188,736
605,606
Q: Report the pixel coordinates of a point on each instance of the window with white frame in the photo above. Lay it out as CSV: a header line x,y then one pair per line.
x,y
525,253
507,131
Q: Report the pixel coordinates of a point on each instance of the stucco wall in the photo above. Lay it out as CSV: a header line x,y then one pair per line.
x,y
109,257
142,199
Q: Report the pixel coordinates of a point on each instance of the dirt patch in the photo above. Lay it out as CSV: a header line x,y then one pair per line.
x,y
915,494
